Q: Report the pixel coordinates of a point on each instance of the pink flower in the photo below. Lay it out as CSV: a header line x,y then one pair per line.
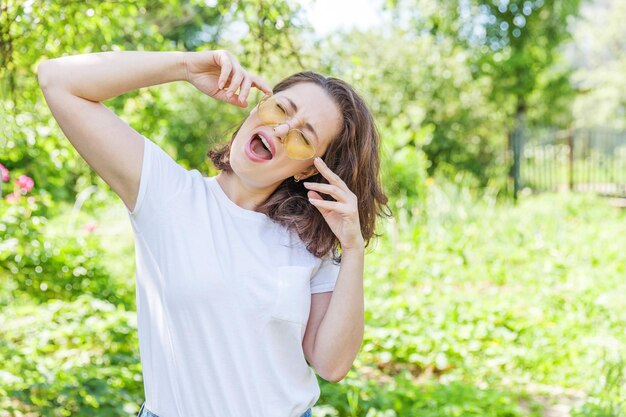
x,y
25,183
5,173
90,227
31,199
13,197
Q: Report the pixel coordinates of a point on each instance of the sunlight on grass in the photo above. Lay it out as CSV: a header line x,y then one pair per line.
x,y
473,308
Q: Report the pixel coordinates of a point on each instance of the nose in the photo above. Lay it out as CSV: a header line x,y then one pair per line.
x,y
282,129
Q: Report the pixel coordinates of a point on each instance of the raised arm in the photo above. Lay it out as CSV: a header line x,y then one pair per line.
x,y
74,86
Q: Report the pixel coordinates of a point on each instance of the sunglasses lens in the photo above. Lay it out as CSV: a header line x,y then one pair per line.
x,y
270,111
297,146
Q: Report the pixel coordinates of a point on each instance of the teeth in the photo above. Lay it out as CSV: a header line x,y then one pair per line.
x,y
267,145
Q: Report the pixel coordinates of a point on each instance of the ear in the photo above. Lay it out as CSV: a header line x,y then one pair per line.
x,y
309,172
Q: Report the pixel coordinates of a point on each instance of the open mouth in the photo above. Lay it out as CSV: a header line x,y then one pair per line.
x,y
260,148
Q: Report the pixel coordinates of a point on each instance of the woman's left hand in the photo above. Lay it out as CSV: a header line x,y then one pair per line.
x,y
342,215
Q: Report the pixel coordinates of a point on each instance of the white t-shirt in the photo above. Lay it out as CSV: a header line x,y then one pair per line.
x,y
223,299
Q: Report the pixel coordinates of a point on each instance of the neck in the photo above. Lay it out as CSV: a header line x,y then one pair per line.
x,y
242,194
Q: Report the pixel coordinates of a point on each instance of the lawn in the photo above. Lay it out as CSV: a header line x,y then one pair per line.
x,y
473,308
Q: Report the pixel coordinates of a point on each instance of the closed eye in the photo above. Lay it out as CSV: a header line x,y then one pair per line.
x,y
285,112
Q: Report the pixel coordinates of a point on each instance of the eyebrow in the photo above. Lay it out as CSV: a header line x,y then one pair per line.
x,y
308,125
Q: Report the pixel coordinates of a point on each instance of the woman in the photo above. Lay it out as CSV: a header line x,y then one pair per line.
x,y
236,273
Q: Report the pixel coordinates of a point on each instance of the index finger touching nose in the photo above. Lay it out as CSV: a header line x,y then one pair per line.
x,y
260,83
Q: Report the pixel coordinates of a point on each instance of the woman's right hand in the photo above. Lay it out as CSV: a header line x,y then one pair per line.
x,y
218,74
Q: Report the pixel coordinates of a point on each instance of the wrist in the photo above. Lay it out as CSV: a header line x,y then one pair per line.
x,y
185,71
357,248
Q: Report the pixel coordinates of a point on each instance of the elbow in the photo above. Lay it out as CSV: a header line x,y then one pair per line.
x,y
43,74
335,376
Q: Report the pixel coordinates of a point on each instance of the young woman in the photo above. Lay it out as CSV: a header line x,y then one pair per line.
x,y
250,281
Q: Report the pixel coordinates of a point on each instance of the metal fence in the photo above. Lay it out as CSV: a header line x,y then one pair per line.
x,y
585,160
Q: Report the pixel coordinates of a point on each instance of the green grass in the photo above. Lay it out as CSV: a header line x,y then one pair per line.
x,y
473,308
524,300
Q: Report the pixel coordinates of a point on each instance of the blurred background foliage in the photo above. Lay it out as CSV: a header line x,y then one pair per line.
x,y
475,306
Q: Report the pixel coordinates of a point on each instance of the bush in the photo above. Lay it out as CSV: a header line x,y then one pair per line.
x,y
64,268
43,267
69,358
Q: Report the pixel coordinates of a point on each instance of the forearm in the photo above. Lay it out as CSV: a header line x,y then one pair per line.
x,y
340,332
103,75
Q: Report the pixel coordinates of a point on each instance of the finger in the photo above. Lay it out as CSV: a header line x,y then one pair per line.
x,y
225,72
261,84
236,81
314,195
234,99
329,205
245,89
332,190
328,174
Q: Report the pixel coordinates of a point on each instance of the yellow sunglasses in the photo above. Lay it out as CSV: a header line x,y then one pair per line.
x,y
296,145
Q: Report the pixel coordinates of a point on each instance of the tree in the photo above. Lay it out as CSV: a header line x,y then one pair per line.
x,y
600,64
30,32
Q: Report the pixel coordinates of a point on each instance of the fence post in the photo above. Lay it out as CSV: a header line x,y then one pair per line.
x,y
516,140
570,145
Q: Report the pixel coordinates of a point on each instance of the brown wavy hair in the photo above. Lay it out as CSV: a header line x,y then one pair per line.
x,y
353,155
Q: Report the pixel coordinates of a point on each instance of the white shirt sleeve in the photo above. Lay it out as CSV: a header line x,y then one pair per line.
x,y
325,277
161,179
